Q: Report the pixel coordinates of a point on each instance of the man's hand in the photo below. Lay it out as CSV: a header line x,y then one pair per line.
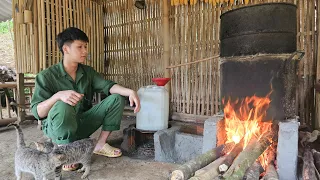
x,y
134,99
69,96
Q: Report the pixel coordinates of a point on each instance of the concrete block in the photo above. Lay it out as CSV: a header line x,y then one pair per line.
x,y
210,133
287,151
164,141
187,146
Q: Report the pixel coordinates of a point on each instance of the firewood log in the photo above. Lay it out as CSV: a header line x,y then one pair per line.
x,y
247,157
307,137
316,157
231,156
271,173
253,172
187,170
308,170
210,171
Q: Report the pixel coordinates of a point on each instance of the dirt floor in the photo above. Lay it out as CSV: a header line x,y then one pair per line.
x,y
103,168
6,50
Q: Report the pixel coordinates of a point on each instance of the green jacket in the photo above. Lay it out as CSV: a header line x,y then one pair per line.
x,y
55,78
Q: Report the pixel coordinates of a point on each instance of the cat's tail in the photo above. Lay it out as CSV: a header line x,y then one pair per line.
x,y
20,138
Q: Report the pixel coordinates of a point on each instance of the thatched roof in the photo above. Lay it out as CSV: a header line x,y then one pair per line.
x,y
5,10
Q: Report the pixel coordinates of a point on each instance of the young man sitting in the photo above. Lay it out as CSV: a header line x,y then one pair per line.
x,y
63,96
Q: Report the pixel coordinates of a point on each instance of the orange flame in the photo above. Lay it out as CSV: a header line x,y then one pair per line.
x,y
243,119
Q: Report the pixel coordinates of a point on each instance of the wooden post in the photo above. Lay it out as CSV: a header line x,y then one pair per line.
x,y
317,120
166,45
20,97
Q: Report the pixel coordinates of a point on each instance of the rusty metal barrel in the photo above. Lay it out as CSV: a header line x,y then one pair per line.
x,y
259,29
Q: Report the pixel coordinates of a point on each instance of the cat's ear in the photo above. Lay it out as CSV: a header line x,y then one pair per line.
x,y
38,145
55,146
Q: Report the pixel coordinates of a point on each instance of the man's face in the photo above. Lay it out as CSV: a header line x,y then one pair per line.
x,y
76,51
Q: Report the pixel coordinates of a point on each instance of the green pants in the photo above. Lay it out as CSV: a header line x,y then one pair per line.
x,y
63,125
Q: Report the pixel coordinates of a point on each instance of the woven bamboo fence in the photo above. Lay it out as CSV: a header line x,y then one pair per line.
x,y
126,44
35,46
134,46
134,51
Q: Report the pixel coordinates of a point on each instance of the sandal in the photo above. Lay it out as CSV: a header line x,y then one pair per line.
x,y
72,167
108,151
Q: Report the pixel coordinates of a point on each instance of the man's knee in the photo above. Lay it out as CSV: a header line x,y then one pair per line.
x,y
62,108
117,100
63,115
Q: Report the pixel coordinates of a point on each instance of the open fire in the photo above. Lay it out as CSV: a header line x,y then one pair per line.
x,y
259,130
246,118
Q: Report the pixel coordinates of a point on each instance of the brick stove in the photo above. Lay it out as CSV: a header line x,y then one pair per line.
x,y
259,58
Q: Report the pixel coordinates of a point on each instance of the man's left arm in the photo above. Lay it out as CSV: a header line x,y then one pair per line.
x,y
133,96
100,84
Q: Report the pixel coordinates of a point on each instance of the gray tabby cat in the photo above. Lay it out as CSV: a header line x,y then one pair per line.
x,y
39,164
77,152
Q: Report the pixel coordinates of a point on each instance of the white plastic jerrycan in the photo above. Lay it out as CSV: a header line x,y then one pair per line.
x,y
154,112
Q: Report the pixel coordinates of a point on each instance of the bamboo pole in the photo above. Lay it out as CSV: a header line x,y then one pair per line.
x,y
43,27
166,45
53,32
317,126
48,27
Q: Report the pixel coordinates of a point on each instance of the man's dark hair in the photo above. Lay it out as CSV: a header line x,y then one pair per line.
x,y
69,35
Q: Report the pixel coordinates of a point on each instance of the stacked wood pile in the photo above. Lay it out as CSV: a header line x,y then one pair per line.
x,y
232,161
229,161
309,153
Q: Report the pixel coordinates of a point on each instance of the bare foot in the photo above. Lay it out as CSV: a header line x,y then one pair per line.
x,y
70,167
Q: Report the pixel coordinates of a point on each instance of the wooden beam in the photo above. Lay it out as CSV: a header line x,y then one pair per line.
x,y
14,85
6,121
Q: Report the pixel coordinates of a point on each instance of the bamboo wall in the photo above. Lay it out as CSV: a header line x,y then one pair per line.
x,y
126,44
35,46
134,46
194,42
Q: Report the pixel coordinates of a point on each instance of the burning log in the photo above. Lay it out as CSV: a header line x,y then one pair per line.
x,y
231,156
186,170
254,171
316,157
247,157
308,170
271,173
210,171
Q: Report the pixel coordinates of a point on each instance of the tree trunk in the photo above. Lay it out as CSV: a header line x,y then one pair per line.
x,y
308,170
231,156
210,171
187,170
247,157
